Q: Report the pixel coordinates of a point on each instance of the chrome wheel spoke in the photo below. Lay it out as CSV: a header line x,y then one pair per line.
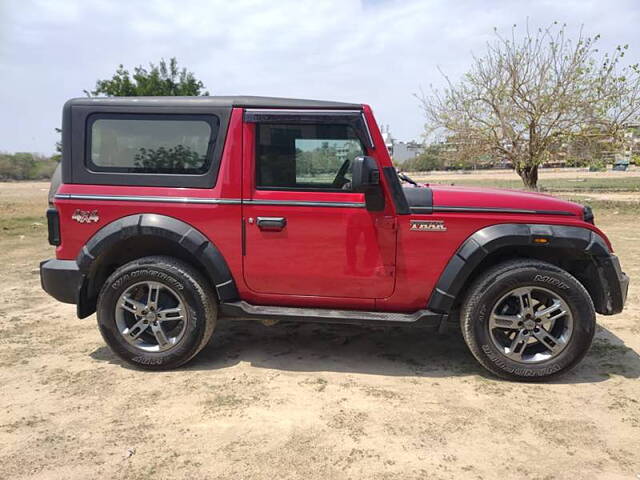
x,y
530,324
526,302
548,310
161,336
152,298
170,314
136,330
552,343
147,306
518,345
504,321
558,315
132,306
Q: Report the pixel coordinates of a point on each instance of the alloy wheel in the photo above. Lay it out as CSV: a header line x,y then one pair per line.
x,y
531,324
151,316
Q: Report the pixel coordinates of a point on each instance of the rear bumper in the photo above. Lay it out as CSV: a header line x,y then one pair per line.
x,y
61,279
616,284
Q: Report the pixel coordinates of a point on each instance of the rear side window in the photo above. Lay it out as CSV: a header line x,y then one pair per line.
x,y
305,157
154,144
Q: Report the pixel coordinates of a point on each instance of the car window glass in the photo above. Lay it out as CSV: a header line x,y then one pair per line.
x,y
305,157
151,145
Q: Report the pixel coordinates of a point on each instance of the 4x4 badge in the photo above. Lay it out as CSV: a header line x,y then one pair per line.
x,y
85,216
428,225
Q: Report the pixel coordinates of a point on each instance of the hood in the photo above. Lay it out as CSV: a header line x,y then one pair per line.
x,y
512,201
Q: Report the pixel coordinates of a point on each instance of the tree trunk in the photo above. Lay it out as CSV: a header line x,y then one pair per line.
x,y
529,175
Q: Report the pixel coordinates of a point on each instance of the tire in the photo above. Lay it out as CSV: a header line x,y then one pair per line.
x,y
509,332
156,313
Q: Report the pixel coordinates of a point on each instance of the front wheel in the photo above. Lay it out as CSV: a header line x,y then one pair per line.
x,y
528,320
156,312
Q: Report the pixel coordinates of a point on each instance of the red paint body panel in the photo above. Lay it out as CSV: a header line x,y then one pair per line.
x,y
323,251
444,195
220,223
422,256
331,257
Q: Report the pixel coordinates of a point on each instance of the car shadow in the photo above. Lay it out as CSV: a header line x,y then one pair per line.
x,y
395,351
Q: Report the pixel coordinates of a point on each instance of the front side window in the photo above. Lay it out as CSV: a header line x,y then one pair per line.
x,y
156,144
305,157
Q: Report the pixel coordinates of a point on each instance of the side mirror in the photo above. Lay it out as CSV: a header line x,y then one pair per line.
x,y
365,178
365,175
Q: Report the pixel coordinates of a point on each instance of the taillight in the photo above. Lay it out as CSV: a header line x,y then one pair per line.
x,y
53,223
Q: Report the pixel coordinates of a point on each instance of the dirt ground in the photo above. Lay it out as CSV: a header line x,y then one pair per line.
x,y
289,401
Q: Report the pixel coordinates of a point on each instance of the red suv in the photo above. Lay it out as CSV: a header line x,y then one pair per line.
x,y
173,213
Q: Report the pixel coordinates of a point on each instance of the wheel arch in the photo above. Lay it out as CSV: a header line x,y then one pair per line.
x,y
575,249
135,236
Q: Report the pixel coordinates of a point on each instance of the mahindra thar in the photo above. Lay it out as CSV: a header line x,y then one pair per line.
x,y
173,213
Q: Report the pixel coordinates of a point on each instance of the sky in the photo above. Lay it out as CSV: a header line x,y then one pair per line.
x,y
379,52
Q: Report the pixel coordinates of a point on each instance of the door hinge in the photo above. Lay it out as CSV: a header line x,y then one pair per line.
x,y
388,223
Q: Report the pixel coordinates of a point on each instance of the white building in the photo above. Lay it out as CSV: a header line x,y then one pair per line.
x,y
400,152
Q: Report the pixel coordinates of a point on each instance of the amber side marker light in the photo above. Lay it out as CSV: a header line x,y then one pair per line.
x,y
541,240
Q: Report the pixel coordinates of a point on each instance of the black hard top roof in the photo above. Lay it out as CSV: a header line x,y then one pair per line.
x,y
217,101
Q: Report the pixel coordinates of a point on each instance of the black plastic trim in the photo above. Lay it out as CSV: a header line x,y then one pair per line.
x,y
587,214
75,116
61,279
168,228
420,199
354,119
245,311
216,101
489,239
397,194
614,283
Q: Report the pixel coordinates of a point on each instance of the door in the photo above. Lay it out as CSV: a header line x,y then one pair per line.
x,y
305,231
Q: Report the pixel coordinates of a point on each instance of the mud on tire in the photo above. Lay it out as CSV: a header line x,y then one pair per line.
x,y
156,312
518,335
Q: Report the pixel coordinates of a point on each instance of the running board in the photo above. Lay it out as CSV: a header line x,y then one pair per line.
x,y
246,311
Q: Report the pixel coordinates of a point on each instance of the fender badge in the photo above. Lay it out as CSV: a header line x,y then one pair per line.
x,y
428,226
85,216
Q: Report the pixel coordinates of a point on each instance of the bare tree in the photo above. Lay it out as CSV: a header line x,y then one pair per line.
x,y
529,93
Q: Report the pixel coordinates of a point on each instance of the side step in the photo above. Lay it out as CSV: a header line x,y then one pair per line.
x,y
245,311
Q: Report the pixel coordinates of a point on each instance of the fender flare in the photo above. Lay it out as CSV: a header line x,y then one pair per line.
x,y
490,239
169,228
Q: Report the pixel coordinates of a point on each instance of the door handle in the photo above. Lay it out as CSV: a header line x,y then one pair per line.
x,y
271,224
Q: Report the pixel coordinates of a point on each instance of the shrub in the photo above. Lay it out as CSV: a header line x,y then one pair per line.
x,y
26,166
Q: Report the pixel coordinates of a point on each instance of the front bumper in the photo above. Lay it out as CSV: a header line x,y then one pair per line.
x,y
61,279
616,284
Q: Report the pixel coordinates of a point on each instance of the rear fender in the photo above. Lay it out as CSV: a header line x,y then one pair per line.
x,y
183,235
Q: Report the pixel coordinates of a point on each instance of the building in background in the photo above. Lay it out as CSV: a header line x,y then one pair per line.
x,y
403,151
399,151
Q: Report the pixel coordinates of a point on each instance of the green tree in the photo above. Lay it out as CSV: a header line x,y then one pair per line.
x,y
162,80
431,158
26,166
528,93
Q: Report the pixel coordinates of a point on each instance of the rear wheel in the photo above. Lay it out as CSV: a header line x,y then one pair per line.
x,y
156,312
528,320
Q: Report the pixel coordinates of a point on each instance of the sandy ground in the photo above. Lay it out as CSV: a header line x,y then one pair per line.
x,y
309,402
